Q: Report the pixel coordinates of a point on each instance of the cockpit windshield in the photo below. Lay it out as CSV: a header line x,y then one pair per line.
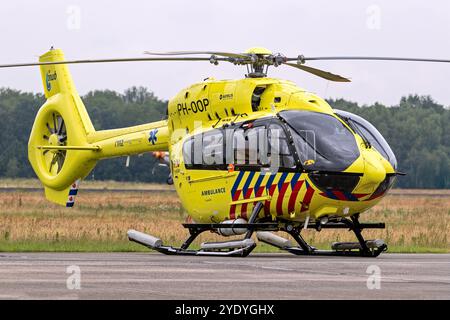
x,y
322,141
371,134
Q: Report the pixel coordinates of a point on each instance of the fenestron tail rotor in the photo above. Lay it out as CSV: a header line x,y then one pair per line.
x,y
55,136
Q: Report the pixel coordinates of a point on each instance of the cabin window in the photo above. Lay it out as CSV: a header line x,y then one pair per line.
x,y
212,148
204,150
250,146
187,152
262,146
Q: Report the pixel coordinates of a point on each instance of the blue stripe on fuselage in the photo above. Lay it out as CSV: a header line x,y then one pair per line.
x,y
295,180
237,182
258,182
270,181
247,182
282,179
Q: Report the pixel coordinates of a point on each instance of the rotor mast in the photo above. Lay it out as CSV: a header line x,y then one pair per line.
x,y
256,67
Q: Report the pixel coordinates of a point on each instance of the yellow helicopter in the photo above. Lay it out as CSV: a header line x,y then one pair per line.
x,y
254,155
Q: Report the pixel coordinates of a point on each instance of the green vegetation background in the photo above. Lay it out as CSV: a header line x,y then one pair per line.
x,y
418,130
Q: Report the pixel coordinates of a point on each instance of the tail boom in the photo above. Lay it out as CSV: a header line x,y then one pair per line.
x,y
133,140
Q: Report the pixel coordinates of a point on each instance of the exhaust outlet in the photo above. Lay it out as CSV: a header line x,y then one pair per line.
x,y
144,239
270,238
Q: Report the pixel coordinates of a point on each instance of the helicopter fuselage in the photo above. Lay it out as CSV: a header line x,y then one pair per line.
x,y
251,155
218,179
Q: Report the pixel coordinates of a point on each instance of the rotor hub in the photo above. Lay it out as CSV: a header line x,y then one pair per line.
x,y
259,51
53,140
256,59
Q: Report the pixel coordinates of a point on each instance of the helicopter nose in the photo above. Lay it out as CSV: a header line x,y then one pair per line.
x,y
374,172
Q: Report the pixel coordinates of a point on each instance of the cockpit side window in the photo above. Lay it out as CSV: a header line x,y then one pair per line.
x,y
371,134
321,140
279,147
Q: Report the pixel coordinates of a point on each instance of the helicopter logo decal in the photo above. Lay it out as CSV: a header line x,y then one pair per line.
x,y
152,137
50,77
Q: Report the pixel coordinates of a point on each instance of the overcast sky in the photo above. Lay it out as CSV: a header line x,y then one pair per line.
x,y
107,29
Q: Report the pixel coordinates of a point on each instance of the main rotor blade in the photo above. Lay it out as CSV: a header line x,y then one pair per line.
x,y
104,61
320,73
369,58
216,53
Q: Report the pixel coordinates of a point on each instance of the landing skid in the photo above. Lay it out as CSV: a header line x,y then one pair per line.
x,y
242,248
362,248
234,248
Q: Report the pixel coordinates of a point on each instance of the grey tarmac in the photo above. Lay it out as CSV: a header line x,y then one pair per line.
x,y
259,276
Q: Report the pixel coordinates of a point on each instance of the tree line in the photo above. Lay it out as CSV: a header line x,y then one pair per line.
x,y
417,129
